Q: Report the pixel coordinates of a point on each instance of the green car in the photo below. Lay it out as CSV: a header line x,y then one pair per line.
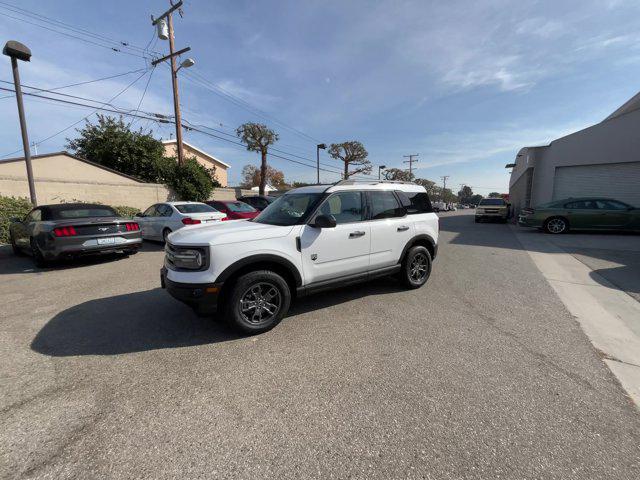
x,y
589,213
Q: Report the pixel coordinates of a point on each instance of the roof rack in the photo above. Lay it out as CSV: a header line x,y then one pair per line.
x,y
371,182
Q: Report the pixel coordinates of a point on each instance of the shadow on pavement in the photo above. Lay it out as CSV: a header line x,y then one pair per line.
x,y
134,322
11,263
152,320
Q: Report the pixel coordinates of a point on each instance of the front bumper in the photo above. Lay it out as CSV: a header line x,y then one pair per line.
x,y
201,296
529,222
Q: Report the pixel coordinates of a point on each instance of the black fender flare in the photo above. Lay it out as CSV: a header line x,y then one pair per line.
x,y
414,240
260,258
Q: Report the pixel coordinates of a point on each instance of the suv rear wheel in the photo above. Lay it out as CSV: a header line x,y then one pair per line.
x,y
258,302
416,267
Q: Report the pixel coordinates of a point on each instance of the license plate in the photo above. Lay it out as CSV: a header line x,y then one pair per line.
x,y
106,241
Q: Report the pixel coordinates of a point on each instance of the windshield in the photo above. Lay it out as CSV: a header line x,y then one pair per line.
x,y
240,207
289,209
194,208
492,201
82,212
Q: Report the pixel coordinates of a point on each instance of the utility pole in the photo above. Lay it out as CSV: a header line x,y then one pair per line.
x,y
318,147
444,184
410,161
18,51
174,71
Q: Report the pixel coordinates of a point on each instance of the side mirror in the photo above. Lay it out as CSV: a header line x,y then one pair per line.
x,y
325,221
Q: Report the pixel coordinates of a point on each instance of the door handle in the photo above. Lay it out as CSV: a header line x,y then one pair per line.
x,y
356,234
403,228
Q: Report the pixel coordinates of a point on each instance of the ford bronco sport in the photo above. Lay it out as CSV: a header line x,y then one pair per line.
x,y
310,239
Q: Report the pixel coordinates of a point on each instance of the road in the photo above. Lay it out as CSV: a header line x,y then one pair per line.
x,y
481,374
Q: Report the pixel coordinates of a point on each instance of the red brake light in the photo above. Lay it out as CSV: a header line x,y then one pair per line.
x,y
191,221
132,227
64,232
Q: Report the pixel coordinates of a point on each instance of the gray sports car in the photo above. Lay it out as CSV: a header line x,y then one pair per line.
x,y
51,232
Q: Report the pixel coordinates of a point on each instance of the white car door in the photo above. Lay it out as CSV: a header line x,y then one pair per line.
x,y
390,228
146,222
331,253
167,217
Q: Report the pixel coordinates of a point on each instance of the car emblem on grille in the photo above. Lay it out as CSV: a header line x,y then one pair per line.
x,y
103,229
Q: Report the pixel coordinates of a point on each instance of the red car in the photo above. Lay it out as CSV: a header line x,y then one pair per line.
x,y
234,209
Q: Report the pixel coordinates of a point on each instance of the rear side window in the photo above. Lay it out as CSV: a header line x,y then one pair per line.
x,y
384,204
582,205
415,202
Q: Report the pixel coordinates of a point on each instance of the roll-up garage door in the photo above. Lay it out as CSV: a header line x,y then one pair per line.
x,y
613,180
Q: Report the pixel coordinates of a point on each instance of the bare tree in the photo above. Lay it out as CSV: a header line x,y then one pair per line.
x,y
258,137
398,174
351,153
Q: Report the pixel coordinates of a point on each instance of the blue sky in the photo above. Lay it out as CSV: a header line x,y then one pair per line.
x,y
463,83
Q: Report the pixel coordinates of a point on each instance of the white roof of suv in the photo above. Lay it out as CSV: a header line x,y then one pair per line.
x,y
361,185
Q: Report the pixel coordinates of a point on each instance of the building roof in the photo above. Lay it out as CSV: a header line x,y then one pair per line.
x,y
208,155
629,106
80,159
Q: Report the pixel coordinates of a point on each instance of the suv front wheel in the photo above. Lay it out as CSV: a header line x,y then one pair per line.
x,y
258,302
416,267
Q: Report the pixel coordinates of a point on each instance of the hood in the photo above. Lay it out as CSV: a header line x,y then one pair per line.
x,y
231,231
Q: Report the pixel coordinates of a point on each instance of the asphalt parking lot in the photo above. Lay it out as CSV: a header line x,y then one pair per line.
x,y
481,374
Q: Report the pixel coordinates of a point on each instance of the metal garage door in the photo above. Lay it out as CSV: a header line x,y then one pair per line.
x,y
614,180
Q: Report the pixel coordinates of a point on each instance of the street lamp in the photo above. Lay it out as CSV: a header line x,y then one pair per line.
x,y
318,147
380,168
18,51
189,62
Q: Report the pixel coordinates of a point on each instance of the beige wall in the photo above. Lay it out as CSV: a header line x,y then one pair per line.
x,y
229,193
171,150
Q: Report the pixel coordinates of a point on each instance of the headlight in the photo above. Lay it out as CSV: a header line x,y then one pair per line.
x,y
187,258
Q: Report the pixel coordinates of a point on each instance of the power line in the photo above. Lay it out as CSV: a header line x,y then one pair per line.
x,y
65,101
144,92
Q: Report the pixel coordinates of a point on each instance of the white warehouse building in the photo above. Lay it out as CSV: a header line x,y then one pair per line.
x,y
602,160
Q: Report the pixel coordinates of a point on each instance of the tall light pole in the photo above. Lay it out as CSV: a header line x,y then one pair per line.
x,y
18,51
380,168
318,147
174,70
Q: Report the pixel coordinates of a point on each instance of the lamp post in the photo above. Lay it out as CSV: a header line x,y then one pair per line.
x,y
380,168
318,147
18,51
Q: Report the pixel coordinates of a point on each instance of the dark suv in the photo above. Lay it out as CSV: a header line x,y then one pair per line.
x,y
259,202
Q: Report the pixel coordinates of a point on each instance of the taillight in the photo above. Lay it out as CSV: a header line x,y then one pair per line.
x,y
224,218
132,227
64,232
191,221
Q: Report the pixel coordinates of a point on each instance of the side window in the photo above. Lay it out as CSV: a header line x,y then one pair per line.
x,y
611,205
384,204
415,202
581,205
164,210
346,207
150,212
35,215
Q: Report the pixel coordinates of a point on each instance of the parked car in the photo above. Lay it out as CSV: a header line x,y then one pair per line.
x,y
310,239
589,213
52,232
493,209
159,220
439,207
234,209
259,202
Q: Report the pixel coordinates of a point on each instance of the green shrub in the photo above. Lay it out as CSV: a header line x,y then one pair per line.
x,y
124,211
191,181
11,207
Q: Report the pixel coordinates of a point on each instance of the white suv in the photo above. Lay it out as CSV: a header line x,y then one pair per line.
x,y
310,239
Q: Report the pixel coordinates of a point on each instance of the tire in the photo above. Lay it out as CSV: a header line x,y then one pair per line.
x,y
36,253
14,247
556,225
165,234
416,267
269,288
